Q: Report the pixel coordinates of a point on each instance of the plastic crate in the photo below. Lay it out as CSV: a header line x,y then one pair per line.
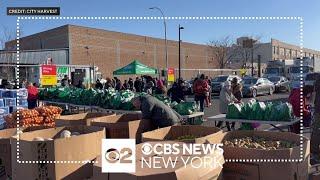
x,y
15,108
5,93
2,123
22,93
1,103
13,93
4,111
22,102
10,101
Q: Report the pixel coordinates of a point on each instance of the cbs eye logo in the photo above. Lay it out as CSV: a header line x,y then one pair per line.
x,y
115,156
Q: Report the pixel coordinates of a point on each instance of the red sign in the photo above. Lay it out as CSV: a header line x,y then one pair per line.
x,y
48,69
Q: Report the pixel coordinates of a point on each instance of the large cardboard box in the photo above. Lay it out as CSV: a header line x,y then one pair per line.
x,y
202,133
124,126
80,119
177,172
260,170
70,154
5,148
250,153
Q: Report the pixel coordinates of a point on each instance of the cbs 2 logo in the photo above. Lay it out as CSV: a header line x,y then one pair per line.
x,y
115,156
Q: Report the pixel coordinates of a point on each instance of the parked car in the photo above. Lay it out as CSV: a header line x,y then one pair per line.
x,y
217,82
281,83
311,78
253,87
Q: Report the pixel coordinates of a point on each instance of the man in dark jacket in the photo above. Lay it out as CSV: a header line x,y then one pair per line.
x,y
159,113
138,85
315,135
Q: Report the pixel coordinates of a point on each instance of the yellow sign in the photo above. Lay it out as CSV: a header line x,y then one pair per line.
x,y
49,80
171,77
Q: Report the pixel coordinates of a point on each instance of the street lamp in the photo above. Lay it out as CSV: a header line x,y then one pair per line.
x,y
180,27
165,37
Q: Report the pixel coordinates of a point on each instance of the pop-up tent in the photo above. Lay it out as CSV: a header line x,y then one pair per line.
x,y
135,68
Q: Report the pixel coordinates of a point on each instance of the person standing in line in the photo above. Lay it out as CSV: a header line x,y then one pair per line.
x,y
137,85
32,96
65,82
98,84
126,85
226,97
130,82
200,89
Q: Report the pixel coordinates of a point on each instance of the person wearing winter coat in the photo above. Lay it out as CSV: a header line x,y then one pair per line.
x,y
159,113
200,89
226,97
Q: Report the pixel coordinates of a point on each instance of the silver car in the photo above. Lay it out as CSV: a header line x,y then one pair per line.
x,y
217,82
253,87
281,83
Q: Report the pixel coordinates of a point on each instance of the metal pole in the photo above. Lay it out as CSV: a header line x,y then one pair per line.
x,y
259,65
252,62
179,53
166,42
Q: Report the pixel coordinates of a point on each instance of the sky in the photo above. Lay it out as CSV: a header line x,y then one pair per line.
x,y
196,31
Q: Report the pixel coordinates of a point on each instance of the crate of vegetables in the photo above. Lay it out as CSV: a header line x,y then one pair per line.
x,y
78,145
186,133
261,145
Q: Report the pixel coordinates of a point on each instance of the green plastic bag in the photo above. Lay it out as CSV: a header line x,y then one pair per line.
x,y
268,112
185,108
258,111
247,109
234,111
281,112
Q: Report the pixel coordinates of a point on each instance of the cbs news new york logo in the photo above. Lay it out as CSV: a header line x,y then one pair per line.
x,y
118,155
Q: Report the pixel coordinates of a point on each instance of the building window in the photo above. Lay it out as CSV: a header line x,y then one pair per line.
x,y
281,51
278,50
274,49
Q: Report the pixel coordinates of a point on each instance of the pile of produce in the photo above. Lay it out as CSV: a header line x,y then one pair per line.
x,y
258,143
186,138
40,116
186,108
253,110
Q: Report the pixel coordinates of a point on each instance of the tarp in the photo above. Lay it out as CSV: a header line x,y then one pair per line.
x,y
135,67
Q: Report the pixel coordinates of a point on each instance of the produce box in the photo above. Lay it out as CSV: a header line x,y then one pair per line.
x,y
10,101
252,150
22,93
175,172
22,102
79,119
6,93
37,146
266,171
255,153
124,126
5,148
185,133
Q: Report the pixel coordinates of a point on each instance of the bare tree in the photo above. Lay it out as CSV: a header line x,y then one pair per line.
x,y
219,49
8,35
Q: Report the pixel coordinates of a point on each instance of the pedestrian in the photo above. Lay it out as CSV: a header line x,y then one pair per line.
x,y
226,97
23,84
80,85
160,89
108,84
208,97
137,85
32,96
130,84
176,92
65,82
315,140
159,113
295,101
98,84
236,88
200,89
126,85
119,85
149,85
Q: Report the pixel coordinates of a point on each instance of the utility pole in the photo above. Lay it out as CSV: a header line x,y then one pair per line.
x,y
180,27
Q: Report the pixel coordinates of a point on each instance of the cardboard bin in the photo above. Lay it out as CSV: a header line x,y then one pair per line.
x,y
124,126
265,170
79,119
5,149
202,133
177,172
68,153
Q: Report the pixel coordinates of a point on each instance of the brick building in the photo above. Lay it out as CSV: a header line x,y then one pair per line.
x,y
110,50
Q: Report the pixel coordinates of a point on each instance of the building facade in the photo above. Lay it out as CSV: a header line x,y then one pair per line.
x,y
110,50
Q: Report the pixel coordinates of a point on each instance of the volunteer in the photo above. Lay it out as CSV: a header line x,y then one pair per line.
x,y
226,97
32,96
200,89
159,113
